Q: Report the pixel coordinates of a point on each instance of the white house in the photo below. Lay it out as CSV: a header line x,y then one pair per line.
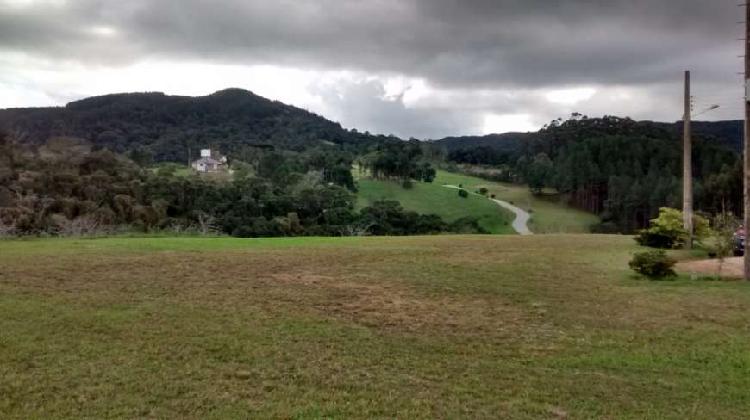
x,y
210,164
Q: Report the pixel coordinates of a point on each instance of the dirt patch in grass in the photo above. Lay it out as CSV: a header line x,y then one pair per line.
x,y
387,306
732,268
275,282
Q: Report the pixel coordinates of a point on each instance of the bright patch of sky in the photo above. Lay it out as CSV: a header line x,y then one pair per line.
x,y
519,123
571,96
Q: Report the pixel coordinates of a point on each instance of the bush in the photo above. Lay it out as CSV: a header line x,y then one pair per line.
x,y
667,231
467,225
463,193
655,265
658,240
389,218
483,191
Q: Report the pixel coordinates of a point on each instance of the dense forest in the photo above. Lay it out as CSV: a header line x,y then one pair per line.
x,y
402,161
725,133
620,169
155,127
68,187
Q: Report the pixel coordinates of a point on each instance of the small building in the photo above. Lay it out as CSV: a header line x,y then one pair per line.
x,y
210,163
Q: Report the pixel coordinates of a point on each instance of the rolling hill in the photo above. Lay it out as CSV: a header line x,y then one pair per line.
x,y
548,215
433,198
170,127
727,133
507,142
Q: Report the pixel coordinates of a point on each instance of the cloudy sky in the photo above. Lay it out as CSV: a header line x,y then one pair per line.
x,y
421,68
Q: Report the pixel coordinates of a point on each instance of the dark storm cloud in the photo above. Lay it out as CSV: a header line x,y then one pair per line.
x,y
514,49
474,43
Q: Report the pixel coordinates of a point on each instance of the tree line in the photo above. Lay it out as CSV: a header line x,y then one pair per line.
x,y
67,186
620,169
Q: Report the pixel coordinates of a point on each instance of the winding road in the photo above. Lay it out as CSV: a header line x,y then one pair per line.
x,y
520,224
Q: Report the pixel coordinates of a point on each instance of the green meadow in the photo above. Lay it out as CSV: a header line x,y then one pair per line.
x,y
548,215
419,327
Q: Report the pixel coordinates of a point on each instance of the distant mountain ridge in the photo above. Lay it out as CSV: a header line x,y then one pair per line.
x,y
174,128
506,142
727,133
170,128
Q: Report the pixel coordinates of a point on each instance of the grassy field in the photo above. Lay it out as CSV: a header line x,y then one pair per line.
x,y
435,199
546,216
426,327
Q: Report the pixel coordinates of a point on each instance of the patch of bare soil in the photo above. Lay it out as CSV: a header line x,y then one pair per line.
x,y
385,305
732,268
356,290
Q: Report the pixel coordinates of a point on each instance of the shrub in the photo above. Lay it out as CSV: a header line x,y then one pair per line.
x,y
467,225
723,244
661,240
483,191
667,231
463,193
407,184
655,265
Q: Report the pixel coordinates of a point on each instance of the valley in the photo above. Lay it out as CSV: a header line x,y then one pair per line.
x,y
548,214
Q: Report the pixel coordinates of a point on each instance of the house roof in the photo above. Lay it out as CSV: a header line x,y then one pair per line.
x,y
208,161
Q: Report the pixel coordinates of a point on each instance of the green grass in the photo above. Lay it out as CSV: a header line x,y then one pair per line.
x,y
435,199
180,171
547,215
424,327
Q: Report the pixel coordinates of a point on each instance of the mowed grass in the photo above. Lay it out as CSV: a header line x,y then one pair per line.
x,y
425,327
433,198
547,214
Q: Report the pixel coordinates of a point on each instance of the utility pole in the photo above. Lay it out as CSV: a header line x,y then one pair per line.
x,y
687,175
747,141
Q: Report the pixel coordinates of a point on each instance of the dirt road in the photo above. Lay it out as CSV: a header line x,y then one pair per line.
x,y
520,224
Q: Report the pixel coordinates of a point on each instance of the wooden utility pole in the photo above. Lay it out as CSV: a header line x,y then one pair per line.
x,y
747,141
687,175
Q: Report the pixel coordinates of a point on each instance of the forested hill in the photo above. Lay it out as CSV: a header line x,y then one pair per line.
x,y
621,169
725,133
506,142
165,127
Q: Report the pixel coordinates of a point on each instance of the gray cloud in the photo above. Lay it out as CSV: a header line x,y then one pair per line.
x,y
450,42
365,106
458,45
